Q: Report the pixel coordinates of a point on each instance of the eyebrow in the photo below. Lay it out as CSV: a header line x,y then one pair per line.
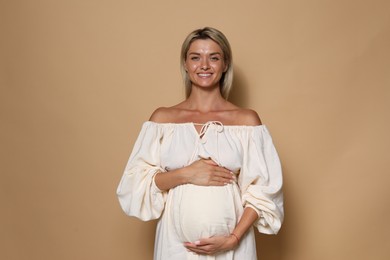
x,y
197,53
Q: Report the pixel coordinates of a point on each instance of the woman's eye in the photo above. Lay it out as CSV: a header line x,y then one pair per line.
x,y
194,58
214,58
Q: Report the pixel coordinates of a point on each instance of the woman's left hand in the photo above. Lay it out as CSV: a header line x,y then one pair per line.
x,y
212,245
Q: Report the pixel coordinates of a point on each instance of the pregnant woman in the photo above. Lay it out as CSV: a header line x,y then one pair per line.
x,y
207,169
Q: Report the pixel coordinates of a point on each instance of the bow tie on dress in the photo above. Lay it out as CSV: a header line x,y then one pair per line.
x,y
205,127
199,150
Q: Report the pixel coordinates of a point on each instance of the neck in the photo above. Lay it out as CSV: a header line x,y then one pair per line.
x,y
205,100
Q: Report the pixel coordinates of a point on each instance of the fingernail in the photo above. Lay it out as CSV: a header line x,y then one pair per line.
x,y
197,242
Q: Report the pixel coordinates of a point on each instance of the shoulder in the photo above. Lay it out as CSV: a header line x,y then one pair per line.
x,y
163,115
248,117
160,115
242,116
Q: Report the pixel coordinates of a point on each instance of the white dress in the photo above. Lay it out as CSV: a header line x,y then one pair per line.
x,y
189,212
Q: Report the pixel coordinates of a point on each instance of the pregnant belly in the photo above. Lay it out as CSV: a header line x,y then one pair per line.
x,y
204,211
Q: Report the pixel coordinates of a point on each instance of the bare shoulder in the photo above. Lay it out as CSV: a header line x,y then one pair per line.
x,y
164,115
248,117
160,115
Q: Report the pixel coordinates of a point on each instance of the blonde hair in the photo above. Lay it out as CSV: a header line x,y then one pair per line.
x,y
218,37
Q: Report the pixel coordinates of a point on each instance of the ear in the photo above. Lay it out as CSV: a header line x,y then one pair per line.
x,y
226,68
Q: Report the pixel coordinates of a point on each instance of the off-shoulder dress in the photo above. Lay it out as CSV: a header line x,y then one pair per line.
x,y
189,212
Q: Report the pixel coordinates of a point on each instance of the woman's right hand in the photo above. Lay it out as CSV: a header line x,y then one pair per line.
x,y
206,172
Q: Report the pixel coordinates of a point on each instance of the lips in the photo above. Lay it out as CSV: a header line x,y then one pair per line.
x,y
204,75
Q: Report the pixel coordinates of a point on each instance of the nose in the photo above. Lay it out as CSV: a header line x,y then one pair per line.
x,y
205,64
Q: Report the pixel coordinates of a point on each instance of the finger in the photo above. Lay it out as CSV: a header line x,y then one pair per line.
x,y
204,242
224,173
196,244
190,246
210,162
230,174
198,250
222,176
220,181
223,170
203,246
202,251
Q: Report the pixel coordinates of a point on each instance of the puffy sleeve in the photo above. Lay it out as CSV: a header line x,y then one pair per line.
x,y
137,192
261,181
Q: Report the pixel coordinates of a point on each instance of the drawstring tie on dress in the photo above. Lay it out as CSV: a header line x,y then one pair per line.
x,y
206,126
201,140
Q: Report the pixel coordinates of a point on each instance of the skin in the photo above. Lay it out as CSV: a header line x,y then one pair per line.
x,y
205,66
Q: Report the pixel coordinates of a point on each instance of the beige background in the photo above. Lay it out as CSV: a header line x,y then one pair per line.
x,y
78,78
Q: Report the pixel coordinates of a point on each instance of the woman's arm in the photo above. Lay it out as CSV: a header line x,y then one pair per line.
x,y
202,172
217,244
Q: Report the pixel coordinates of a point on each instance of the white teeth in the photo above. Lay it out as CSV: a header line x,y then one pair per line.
x,y
204,75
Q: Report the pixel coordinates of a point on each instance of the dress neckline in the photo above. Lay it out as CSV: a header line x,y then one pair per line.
x,y
206,126
194,123
199,133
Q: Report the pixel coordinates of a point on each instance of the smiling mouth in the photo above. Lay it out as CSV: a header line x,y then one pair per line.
x,y
204,75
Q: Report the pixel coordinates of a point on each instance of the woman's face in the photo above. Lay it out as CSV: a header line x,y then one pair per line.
x,y
205,63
